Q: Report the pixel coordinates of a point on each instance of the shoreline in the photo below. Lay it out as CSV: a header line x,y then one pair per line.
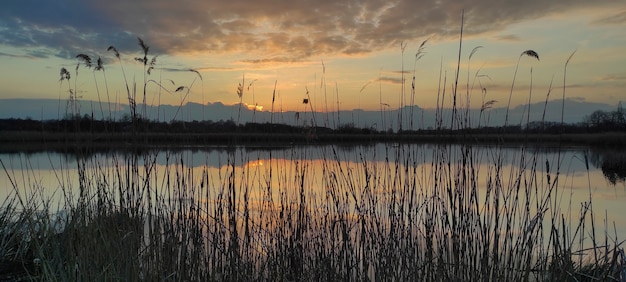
x,y
30,141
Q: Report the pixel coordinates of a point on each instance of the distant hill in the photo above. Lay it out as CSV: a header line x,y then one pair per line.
x,y
46,109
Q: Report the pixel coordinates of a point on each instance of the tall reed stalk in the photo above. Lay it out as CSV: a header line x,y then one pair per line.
x,y
529,53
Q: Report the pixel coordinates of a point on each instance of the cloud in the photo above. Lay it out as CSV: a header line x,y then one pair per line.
x,y
508,37
272,60
400,72
251,107
390,80
213,69
266,30
576,85
29,54
614,19
2,54
613,77
65,27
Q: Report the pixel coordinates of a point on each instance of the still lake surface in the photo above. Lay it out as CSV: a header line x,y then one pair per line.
x,y
583,173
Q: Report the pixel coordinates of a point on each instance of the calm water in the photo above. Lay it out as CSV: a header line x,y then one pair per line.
x,y
583,172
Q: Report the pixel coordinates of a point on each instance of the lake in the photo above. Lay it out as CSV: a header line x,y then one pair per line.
x,y
583,170
481,192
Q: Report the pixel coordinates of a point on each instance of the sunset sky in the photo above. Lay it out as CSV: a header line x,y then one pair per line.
x,y
345,50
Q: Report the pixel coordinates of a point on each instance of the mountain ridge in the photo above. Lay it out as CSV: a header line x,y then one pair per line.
x,y
422,118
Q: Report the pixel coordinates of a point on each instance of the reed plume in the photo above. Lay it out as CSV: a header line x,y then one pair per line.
x,y
529,53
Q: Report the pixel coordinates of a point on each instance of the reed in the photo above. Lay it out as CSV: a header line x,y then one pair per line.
x,y
383,212
418,55
529,53
386,212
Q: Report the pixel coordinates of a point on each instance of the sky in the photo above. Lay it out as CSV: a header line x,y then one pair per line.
x,y
337,54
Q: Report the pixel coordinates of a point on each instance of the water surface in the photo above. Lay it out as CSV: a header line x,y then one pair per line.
x,y
583,174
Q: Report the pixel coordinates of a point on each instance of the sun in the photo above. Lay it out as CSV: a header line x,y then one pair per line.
x,y
255,107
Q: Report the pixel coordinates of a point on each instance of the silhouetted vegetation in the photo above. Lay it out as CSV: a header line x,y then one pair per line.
x,y
601,121
612,162
28,134
598,122
129,219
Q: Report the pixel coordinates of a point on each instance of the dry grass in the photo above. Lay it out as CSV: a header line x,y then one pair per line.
x,y
343,217
350,218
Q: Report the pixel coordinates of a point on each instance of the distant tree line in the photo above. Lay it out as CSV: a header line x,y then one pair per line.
x,y
598,121
86,123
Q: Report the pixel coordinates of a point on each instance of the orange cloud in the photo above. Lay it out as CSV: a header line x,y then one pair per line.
x,y
298,30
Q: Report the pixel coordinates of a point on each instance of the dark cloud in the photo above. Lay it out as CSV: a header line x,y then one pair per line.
x,y
277,30
55,14
401,72
67,26
391,80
